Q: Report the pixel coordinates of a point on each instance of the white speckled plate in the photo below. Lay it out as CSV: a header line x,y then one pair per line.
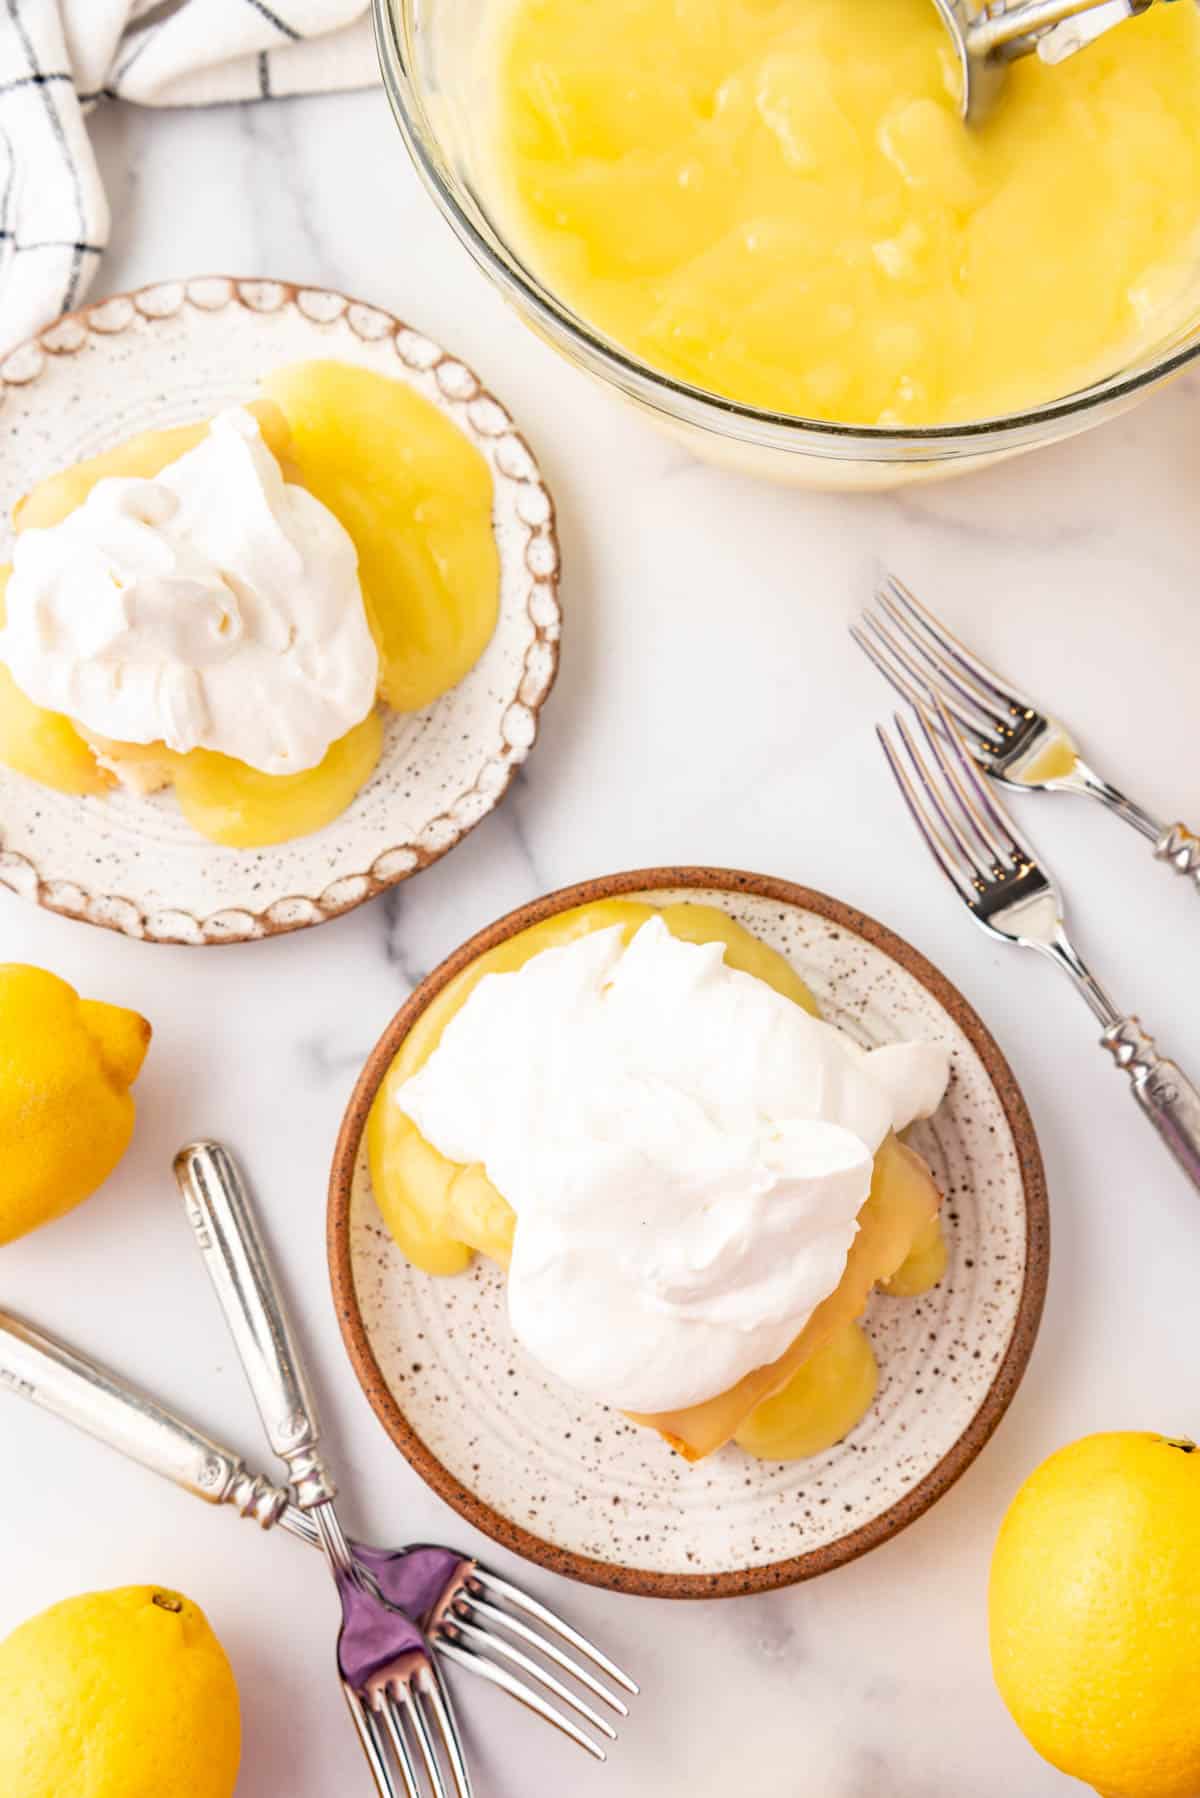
x,y
575,1485
175,352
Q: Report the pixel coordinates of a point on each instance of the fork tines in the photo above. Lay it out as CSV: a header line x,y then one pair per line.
x,y
374,1741
489,1629
420,1729
405,1723
967,831
915,652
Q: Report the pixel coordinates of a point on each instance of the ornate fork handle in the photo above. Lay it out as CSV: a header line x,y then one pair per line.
x,y
1174,844
48,1373
70,1385
1162,1089
1180,849
231,1244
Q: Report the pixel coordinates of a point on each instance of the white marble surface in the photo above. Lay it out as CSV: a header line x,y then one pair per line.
x,y
710,708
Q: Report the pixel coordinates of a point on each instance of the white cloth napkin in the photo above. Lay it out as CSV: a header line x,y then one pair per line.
x,y
60,58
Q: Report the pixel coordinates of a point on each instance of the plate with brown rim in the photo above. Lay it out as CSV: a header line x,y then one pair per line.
x,y
179,351
574,1485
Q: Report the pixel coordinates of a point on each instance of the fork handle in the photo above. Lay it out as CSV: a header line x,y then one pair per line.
x,y
1180,849
229,1239
41,1368
1162,1089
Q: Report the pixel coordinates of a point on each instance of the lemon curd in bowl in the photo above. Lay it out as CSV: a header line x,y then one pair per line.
x,y
414,496
776,200
441,1212
764,220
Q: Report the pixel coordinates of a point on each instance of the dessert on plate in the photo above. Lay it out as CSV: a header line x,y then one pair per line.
x,y
776,201
231,607
693,1181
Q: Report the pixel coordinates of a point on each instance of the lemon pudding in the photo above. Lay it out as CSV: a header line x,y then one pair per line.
x,y
777,202
221,607
692,1180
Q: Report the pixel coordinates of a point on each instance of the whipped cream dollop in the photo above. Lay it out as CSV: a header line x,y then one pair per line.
x,y
685,1149
216,606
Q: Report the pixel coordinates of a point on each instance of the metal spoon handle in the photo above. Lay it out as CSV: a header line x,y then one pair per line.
x,y
47,1372
228,1236
1001,25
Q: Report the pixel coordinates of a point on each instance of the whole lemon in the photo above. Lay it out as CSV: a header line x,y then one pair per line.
x,y
1095,1613
123,1694
66,1113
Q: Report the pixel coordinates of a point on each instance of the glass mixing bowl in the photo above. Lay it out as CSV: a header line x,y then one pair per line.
x,y
433,74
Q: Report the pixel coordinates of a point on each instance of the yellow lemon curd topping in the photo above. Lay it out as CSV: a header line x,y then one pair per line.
x,y
441,1213
416,497
777,201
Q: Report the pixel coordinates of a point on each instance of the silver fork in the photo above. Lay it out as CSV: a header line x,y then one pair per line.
x,y
391,1686
81,1391
1010,894
1009,735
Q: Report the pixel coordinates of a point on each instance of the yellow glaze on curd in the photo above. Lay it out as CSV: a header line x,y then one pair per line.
x,y
776,200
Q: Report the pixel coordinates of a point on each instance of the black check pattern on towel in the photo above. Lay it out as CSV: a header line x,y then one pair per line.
x,y
54,246
60,58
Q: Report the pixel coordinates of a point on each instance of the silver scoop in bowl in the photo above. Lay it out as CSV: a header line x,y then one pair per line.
x,y
988,39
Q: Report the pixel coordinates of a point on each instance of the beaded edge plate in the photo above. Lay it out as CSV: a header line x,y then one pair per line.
x,y
177,351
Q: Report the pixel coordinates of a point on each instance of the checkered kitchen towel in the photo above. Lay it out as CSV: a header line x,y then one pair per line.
x,y
60,58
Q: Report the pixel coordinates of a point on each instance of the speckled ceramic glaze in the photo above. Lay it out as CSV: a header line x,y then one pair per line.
x,y
575,1485
181,350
